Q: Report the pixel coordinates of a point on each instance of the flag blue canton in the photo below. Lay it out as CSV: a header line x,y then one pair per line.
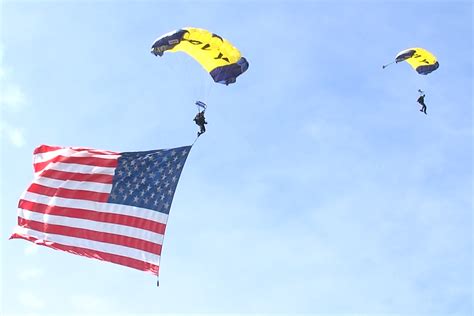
x,y
148,179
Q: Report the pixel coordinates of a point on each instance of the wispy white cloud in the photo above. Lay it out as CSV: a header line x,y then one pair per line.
x,y
14,135
31,249
17,137
2,71
12,100
84,303
30,300
12,97
27,274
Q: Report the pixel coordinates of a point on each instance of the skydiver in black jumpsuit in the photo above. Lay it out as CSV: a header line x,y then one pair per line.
x,y
200,121
421,100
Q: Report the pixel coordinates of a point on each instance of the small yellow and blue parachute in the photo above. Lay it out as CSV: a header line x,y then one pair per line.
x,y
419,59
216,55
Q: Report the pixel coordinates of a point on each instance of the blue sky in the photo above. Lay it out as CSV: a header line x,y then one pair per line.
x,y
319,187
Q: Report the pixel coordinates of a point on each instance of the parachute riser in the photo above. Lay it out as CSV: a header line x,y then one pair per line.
x,y
201,105
385,66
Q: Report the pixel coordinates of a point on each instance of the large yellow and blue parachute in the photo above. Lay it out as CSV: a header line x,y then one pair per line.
x,y
419,59
216,55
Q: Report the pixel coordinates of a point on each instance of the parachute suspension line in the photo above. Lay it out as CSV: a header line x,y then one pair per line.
x,y
209,87
199,109
385,66
200,88
170,68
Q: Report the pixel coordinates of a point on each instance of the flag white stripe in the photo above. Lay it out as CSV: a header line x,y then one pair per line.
x,y
41,157
98,206
96,151
137,254
73,167
74,185
92,225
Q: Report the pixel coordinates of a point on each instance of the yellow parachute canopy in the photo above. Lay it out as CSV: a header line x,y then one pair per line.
x,y
216,55
420,59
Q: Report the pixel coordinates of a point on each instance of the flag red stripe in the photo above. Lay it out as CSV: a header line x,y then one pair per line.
x,y
76,176
89,161
45,148
100,255
110,238
68,193
104,217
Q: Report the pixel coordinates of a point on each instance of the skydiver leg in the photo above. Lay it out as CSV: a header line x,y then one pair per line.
x,y
423,106
203,129
423,109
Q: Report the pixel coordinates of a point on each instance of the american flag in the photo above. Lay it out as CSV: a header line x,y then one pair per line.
x,y
101,204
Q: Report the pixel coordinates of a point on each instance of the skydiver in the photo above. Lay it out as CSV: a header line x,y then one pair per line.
x,y
421,100
200,120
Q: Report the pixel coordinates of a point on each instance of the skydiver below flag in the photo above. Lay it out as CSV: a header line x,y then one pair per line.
x,y
101,204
